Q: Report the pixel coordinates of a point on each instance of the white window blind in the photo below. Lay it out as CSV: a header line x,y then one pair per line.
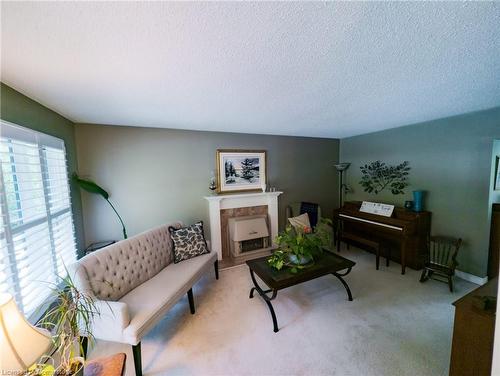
x,y
36,224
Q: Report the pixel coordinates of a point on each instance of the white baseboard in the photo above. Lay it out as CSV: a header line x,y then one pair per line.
x,y
471,277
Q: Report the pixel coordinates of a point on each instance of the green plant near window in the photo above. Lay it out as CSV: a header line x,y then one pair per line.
x,y
90,186
69,319
378,176
298,247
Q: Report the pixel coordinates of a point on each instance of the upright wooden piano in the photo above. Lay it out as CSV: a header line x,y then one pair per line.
x,y
405,233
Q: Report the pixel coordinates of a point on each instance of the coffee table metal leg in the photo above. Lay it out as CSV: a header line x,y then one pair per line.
x,y
255,289
346,286
273,315
267,299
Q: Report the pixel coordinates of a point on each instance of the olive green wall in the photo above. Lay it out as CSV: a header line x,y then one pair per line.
x,y
450,159
19,109
159,175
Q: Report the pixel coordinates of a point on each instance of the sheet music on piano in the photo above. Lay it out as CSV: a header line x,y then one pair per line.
x,y
377,208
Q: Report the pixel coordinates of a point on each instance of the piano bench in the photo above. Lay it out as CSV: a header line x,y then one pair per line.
x,y
367,242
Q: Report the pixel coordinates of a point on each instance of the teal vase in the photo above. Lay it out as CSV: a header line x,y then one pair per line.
x,y
299,260
418,197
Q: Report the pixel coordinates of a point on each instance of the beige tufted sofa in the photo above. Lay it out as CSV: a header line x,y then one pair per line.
x,y
135,282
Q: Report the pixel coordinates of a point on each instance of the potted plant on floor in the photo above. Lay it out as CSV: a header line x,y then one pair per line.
x,y
69,320
92,187
299,246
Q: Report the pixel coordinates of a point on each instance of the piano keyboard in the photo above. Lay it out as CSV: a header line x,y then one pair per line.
x,y
372,222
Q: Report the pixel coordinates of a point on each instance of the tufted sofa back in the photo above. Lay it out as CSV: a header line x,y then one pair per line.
x,y
113,271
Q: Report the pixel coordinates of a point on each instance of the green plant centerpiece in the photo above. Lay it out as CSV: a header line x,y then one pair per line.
x,y
69,319
298,246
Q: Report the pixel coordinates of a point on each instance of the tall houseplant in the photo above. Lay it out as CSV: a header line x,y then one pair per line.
x,y
90,186
69,319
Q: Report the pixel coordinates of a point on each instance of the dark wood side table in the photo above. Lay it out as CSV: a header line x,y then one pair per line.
x,y
494,254
98,245
473,332
328,263
109,366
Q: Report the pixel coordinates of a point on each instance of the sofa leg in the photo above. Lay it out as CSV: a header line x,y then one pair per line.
x,y
191,301
216,267
136,350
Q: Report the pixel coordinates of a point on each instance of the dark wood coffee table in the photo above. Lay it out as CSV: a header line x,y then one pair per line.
x,y
328,263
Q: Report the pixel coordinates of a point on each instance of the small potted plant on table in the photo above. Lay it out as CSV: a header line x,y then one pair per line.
x,y
299,246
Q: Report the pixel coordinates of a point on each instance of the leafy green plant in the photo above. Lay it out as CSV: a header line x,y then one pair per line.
x,y
91,187
278,259
377,176
302,243
69,318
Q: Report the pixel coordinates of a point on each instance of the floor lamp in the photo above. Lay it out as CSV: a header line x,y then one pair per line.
x,y
341,167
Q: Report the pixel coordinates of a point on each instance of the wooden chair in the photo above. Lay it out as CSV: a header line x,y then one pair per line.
x,y
442,259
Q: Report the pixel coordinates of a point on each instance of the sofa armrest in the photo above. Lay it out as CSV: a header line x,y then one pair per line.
x,y
111,321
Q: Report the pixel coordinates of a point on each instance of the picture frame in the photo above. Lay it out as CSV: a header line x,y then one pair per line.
x,y
496,183
241,170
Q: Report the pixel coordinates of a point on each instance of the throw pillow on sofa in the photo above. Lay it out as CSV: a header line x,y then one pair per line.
x,y
188,241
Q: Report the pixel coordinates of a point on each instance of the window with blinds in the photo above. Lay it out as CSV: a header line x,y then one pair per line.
x,y
36,224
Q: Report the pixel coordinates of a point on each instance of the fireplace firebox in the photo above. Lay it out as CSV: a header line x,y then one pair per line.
x,y
248,234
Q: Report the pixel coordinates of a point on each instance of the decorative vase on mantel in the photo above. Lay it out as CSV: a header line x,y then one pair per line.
x,y
212,185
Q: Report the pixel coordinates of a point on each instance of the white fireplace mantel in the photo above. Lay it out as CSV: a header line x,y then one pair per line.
x,y
242,200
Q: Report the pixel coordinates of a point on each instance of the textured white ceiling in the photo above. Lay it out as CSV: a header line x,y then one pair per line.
x,y
310,69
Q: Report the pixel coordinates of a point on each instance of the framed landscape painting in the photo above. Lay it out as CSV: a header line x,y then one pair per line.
x,y
241,170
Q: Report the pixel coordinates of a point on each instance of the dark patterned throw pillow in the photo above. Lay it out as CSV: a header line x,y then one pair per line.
x,y
188,242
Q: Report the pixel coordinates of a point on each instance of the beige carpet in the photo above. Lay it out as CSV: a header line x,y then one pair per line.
x,y
394,326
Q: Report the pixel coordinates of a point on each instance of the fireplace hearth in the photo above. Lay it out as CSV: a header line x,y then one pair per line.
x,y
222,208
252,245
